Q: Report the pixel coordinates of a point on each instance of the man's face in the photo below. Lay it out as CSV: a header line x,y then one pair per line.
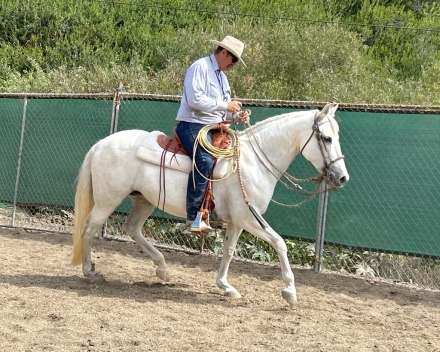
x,y
226,60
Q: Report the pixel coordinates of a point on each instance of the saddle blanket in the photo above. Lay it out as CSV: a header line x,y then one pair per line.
x,y
151,152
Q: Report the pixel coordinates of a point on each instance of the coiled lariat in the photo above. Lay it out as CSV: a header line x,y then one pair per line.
x,y
218,153
233,152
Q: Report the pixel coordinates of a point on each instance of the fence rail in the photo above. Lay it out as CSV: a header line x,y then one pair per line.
x,y
384,222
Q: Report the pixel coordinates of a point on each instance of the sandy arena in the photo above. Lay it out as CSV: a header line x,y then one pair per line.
x,y
47,305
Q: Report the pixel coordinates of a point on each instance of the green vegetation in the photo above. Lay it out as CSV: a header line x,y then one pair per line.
x,y
359,51
353,51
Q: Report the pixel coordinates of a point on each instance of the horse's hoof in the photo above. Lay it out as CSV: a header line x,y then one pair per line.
x,y
232,294
163,274
94,277
289,296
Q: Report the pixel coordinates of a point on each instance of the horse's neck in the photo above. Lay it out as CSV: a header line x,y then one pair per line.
x,y
278,138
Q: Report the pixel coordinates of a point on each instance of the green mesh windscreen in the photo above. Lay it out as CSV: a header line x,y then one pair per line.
x,y
11,115
390,203
57,135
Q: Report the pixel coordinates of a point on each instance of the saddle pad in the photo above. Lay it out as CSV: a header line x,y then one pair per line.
x,y
151,152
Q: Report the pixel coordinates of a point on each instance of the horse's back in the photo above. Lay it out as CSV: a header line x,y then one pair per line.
x,y
114,159
124,139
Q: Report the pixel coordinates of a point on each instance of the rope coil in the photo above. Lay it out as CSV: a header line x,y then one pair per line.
x,y
218,153
202,139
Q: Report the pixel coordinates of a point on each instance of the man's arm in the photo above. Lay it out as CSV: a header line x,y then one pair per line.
x,y
197,97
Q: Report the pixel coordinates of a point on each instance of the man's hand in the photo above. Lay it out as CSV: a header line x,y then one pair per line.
x,y
234,106
243,116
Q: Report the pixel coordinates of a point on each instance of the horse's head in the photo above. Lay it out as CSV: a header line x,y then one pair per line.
x,y
321,147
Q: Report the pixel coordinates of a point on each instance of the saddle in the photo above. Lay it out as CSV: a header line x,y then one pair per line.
x,y
220,138
173,145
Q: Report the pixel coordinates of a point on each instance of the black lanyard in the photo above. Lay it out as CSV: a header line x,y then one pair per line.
x,y
218,74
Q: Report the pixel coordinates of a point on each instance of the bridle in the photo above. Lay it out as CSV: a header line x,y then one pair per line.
x,y
326,174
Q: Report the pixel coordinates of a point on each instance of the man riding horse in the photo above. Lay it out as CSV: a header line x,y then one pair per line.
x,y
206,100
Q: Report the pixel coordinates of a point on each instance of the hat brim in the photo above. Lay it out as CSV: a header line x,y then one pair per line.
x,y
216,42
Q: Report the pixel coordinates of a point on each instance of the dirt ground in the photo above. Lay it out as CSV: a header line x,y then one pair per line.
x,y
47,305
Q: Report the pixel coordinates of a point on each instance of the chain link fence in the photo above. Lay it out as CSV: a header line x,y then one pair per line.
x,y
383,223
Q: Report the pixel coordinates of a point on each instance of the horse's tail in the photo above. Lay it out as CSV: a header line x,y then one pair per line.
x,y
84,203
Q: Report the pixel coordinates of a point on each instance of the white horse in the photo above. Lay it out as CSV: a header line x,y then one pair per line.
x,y
112,171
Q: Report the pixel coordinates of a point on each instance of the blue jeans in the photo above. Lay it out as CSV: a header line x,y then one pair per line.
x,y
187,133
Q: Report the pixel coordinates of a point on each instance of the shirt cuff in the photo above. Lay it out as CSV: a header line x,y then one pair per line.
x,y
223,106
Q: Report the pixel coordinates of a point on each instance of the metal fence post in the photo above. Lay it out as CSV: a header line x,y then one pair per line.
x,y
20,153
113,129
116,106
320,226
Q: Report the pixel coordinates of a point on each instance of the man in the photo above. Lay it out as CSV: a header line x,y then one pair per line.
x,y
206,100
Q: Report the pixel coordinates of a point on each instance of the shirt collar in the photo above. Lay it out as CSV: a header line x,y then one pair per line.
x,y
213,62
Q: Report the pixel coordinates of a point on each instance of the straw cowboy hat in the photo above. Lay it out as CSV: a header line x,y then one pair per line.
x,y
232,45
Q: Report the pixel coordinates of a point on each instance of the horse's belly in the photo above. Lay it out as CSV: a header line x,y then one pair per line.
x,y
165,189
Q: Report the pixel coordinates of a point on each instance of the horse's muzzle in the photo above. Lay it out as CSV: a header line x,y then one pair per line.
x,y
337,181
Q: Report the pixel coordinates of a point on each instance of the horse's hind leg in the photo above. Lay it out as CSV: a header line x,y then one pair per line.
x,y
97,218
140,211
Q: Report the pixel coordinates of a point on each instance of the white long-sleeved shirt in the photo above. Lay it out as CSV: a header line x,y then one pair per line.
x,y
206,93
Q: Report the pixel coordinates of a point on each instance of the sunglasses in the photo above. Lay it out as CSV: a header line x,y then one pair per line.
x,y
234,58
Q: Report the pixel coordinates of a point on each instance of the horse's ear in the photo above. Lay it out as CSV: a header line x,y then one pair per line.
x,y
330,108
333,108
323,113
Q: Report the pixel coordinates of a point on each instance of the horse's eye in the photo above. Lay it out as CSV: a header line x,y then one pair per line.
x,y
327,139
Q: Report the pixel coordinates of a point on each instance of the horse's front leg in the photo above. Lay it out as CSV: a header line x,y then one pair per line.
x,y
232,234
277,242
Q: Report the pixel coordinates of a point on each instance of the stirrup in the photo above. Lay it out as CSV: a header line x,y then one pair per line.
x,y
200,226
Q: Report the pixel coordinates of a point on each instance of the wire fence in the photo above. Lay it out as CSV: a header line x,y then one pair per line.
x,y
382,224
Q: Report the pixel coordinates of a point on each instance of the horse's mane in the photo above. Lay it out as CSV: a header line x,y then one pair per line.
x,y
334,124
262,124
294,114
